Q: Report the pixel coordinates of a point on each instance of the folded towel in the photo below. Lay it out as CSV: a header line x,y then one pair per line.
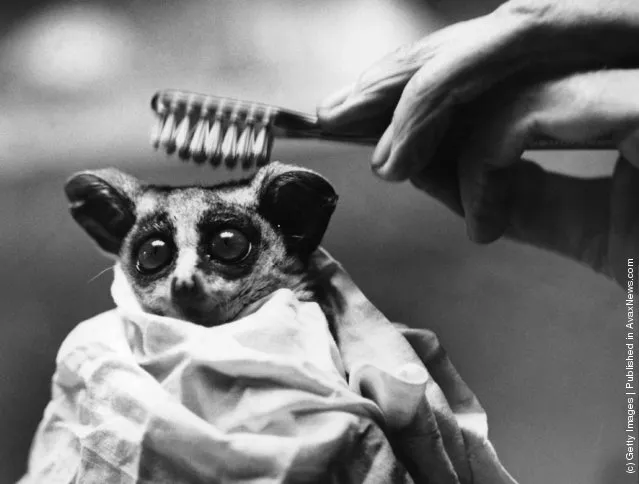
x,y
268,398
442,436
264,399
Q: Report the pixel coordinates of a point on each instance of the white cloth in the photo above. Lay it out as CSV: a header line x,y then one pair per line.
x,y
264,399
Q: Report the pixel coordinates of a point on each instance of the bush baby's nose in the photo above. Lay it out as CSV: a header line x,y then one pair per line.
x,y
187,288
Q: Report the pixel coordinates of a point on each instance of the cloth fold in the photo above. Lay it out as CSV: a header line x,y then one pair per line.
x,y
264,399
140,398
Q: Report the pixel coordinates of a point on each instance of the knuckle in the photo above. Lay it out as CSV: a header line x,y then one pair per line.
x,y
533,9
527,127
414,87
523,111
396,68
411,53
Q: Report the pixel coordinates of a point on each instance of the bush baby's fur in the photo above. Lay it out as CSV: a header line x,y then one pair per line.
x,y
203,254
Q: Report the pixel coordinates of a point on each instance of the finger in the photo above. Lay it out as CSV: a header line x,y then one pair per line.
x,y
362,331
576,109
490,50
485,194
623,232
481,463
457,63
560,213
322,260
440,179
382,149
451,436
421,449
498,140
442,185
587,106
418,154
434,439
334,100
458,395
379,88
428,349
484,462
459,68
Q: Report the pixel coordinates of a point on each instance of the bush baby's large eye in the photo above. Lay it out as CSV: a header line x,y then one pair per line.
x,y
229,245
153,255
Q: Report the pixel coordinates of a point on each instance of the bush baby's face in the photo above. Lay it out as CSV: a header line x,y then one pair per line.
x,y
204,253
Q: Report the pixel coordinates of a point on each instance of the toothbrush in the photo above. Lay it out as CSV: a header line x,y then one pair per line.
x,y
236,133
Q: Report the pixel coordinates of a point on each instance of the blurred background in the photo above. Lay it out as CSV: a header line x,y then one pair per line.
x,y
539,339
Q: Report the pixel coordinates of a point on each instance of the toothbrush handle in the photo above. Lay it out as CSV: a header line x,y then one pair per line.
x,y
291,124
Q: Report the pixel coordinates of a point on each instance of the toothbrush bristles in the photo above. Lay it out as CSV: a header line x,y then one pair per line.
x,y
217,130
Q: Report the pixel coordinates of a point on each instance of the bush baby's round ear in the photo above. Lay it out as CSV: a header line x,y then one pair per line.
x,y
298,203
103,204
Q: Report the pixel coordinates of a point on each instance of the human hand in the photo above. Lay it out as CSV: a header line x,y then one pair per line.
x,y
447,440
478,81
421,85
592,221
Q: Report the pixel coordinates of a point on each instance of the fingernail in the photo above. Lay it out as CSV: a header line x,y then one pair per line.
x,y
383,149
